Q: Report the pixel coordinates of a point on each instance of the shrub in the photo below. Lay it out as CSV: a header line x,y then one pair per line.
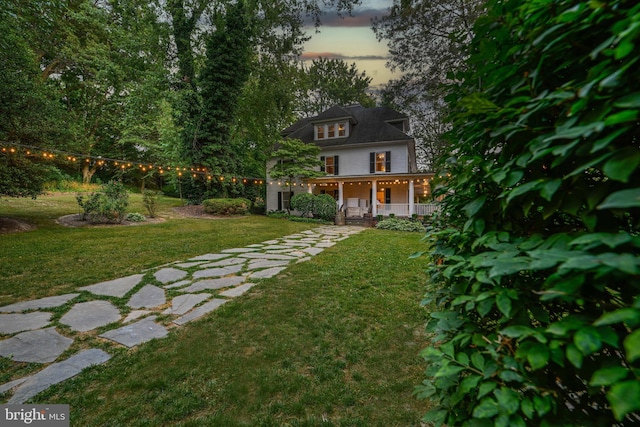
x,y
324,207
150,202
135,217
90,206
400,224
303,203
227,206
534,265
107,205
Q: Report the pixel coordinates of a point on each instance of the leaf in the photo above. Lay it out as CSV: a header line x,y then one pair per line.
x,y
608,376
621,117
537,355
629,101
508,400
632,345
448,370
622,164
542,404
624,398
503,302
587,340
574,356
626,315
469,383
517,331
486,388
474,206
486,409
477,360
622,199
527,408
550,188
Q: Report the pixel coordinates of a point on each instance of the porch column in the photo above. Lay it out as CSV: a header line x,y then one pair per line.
x,y
340,194
411,195
374,200
310,188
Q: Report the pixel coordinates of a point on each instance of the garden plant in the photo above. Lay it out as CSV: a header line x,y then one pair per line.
x,y
534,261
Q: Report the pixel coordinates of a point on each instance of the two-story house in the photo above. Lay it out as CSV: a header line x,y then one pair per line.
x,y
369,161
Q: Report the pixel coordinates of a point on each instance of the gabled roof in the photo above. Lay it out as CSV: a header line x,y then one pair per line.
x,y
368,125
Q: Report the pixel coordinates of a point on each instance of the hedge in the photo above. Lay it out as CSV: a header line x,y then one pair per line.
x,y
534,270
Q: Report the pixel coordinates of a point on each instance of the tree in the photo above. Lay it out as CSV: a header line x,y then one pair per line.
x,y
534,268
427,44
222,80
295,159
332,82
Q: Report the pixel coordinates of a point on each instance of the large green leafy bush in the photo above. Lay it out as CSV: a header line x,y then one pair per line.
x,y
535,272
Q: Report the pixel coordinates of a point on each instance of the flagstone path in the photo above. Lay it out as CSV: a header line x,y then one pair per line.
x,y
124,311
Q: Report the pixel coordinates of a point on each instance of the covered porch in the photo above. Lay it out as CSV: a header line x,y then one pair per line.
x,y
402,195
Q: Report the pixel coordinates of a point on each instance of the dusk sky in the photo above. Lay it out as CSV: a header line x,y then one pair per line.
x,y
352,40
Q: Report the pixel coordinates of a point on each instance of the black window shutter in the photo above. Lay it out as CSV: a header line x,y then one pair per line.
x,y
387,195
335,165
322,165
279,200
372,162
387,165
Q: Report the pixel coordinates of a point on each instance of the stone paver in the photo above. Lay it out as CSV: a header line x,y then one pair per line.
x,y
41,346
237,291
239,250
58,372
218,272
168,275
200,311
262,255
137,333
188,264
223,282
135,314
32,341
48,302
115,288
18,322
178,284
148,297
265,263
265,274
86,316
209,257
224,262
312,251
183,303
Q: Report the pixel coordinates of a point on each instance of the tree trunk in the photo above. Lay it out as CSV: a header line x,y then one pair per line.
x,y
87,172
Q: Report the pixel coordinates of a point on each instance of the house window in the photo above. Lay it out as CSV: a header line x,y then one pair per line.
x,y
332,130
329,165
284,198
380,162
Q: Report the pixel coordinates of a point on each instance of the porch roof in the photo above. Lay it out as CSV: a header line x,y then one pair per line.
x,y
369,177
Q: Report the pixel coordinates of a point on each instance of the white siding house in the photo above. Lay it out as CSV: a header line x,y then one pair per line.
x,y
369,161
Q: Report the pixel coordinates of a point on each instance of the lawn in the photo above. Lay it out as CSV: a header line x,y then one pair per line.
x,y
333,341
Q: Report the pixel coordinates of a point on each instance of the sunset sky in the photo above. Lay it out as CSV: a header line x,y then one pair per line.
x,y
352,40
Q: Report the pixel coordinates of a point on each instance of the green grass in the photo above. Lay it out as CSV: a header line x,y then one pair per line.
x,y
333,341
53,259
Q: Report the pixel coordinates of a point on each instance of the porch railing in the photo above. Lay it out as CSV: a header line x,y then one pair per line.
x,y
402,209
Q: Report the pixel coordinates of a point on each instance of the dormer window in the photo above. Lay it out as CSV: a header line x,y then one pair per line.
x,y
331,130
